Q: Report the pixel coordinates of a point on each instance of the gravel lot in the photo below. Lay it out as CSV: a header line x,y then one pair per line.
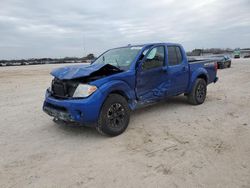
x,y
171,144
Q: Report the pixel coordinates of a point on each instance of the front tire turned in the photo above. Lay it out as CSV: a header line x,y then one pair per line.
x,y
114,116
198,93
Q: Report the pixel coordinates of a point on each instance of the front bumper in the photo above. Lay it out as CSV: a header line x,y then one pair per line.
x,y
83,111
62,115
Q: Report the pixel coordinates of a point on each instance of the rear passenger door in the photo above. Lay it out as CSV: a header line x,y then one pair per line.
x,y
178,70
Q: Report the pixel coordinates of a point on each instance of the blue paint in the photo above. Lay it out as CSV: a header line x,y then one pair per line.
x,y
77,71
137,86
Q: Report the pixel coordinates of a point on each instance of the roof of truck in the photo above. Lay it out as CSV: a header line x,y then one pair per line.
x,y
148,44
157,43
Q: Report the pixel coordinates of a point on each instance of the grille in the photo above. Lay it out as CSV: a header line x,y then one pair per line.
x,y
63,89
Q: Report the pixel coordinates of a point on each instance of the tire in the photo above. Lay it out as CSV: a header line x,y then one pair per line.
x,y
198,93
229,65
114,117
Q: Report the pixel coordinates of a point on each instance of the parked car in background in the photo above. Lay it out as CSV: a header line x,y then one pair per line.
x,y
236,53
247,56
224,62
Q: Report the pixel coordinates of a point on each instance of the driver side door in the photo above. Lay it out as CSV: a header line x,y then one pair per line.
x,y
152,79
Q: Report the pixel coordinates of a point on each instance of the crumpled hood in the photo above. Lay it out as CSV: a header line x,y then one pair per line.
x,y
78,71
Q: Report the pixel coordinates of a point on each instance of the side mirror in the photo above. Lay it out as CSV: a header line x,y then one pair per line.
x,y
165,68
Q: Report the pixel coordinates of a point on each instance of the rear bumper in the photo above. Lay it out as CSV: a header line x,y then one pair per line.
x,y
83,111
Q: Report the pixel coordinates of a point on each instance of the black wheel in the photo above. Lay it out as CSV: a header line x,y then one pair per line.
x,y
114,116
198,93
229,64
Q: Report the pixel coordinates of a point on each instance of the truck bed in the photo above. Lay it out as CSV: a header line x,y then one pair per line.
x,y
207,63
194,59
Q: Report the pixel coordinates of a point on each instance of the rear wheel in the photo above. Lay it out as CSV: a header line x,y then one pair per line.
x,y
198,93
114,116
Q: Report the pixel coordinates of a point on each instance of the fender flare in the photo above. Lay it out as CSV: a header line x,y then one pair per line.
x,y
119,87
200,72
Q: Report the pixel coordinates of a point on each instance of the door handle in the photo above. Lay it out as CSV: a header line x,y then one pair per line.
x,y
184,68
165,68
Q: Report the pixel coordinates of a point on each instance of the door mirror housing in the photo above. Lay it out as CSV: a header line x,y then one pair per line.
x,y
165,68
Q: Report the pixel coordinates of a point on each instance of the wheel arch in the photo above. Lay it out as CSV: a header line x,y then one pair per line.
x,y
121,88
120,92
199,73
203,76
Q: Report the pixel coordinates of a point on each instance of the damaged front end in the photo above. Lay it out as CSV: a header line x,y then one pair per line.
x,y
76,82
89,73
67,79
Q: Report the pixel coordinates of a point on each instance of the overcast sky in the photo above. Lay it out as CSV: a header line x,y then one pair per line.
x,y
59,28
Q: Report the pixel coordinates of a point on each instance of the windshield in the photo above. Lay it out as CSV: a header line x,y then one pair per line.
x,y
120,57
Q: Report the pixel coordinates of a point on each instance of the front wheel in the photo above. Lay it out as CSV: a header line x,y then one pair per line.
x,y
198,93
114,116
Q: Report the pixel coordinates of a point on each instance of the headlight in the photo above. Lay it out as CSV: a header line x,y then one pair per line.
x,y
84,90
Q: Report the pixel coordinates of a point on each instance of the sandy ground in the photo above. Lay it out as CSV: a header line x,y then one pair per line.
x,y
172,144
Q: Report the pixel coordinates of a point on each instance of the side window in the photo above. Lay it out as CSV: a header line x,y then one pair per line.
x,y
174,55
155,58
179,55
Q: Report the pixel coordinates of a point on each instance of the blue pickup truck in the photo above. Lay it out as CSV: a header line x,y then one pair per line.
x,y
103,94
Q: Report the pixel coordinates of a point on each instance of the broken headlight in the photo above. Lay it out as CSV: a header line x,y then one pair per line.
x,y
84,90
